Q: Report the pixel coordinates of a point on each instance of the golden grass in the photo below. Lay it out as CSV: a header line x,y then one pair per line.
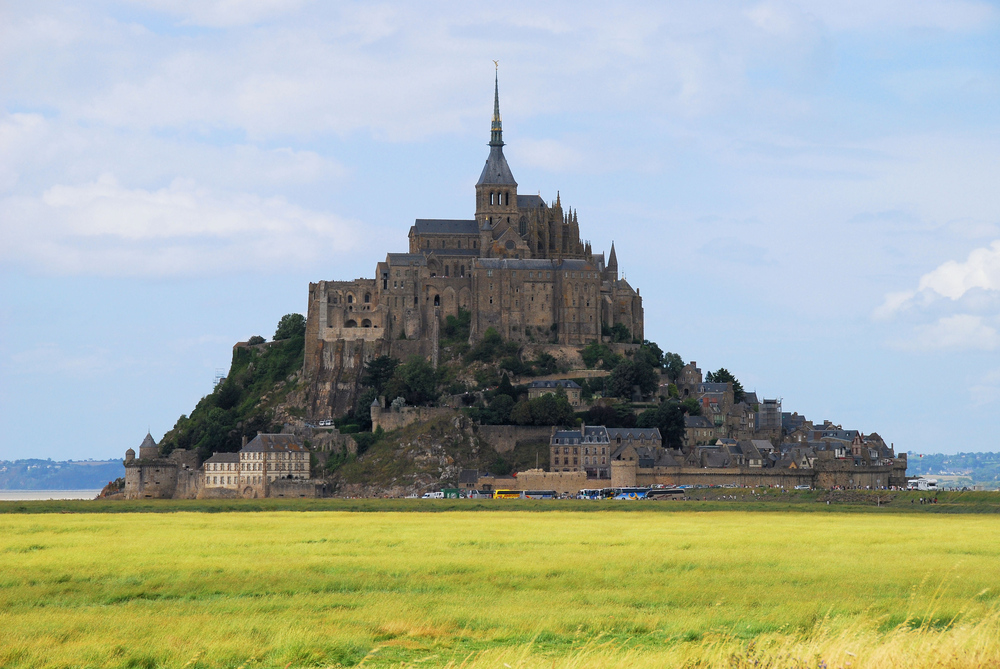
x,y
562,589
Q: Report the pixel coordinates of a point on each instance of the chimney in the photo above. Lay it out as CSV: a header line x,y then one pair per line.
x,y
244,445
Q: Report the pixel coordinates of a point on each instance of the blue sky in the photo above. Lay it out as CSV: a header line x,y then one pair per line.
x,y
804,192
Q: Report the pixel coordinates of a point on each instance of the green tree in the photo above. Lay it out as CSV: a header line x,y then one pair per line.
x,y
414,380
520,413
669,418
627,375
691,406
674,365
599,355
378,372
256,339
723,375
500,409
650,354
290,325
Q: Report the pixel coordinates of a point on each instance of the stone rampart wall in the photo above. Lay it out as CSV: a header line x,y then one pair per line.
x,y
504,438
393,419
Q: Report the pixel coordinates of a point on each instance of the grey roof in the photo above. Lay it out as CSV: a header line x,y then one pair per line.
x,y
751,398
468,476
696,421
274,442
561,383
592,434
712,387
444,226
496,171
224,457
148,442
634,433
525,201
406,259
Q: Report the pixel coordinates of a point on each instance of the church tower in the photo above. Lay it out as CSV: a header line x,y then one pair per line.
x,y
496,190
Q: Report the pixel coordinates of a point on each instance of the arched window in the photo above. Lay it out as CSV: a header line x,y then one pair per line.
x,y
523,226
446,270
351,324
437,300
491,198
350,298
368,298
366,323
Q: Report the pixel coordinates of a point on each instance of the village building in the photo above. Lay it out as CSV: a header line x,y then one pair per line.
x,y
571,388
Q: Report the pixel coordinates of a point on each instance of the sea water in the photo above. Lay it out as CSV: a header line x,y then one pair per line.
x,y
22,495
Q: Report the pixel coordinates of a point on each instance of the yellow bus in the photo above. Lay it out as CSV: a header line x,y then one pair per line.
x,y
506,494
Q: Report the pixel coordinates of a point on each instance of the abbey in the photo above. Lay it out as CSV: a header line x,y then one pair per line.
x,y
519,267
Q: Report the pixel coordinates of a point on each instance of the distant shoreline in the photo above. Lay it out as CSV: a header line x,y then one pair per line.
x,y
26,495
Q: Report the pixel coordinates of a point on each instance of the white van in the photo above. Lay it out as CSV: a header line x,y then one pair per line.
x,y
433,495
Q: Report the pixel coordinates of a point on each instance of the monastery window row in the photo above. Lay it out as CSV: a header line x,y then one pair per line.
x,y
500,199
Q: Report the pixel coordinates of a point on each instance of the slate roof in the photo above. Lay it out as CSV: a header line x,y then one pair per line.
x,y
596,434
696,421
224,457
406,259
634,433
496,171
148,442
444,226
526,201
274,442
712,387
562,383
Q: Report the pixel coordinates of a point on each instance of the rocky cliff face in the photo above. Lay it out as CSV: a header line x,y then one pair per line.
x,y
416,459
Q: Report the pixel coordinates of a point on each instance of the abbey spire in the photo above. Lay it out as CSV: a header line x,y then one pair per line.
x,y
496,127
496,172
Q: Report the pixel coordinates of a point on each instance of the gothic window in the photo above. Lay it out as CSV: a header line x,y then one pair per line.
x,y
509,245
437,299
446,270
350,298
462,270
368,298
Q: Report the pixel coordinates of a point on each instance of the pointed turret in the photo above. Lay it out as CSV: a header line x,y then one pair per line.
x,y
613,261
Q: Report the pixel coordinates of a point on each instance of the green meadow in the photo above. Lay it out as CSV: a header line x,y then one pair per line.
x,y
507,588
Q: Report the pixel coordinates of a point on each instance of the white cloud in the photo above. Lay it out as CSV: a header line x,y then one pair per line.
x,y
104,228
959,332
954,279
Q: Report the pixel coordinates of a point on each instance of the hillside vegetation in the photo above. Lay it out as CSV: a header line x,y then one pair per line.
x,y
261,376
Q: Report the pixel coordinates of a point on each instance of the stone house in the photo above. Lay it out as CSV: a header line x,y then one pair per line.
x,y
222,471
698,430
271,457
572,388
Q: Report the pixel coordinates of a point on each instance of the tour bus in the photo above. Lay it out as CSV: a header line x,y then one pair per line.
x,y
665,493
539,494
525,494
629,493
593,493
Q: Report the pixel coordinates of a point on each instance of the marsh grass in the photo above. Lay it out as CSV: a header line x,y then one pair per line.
x,y
563,589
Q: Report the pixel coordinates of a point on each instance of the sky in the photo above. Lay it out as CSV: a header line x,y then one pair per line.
x,y
805,193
